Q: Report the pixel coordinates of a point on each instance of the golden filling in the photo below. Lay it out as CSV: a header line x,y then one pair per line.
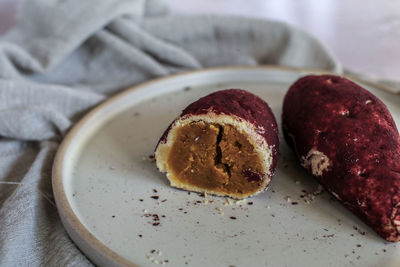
x,y
215,157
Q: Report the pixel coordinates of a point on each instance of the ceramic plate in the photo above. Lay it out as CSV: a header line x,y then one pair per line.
x,y
120,210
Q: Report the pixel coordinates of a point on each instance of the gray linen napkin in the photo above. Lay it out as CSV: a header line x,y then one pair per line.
x,y
64,57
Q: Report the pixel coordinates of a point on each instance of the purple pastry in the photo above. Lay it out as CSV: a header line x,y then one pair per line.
x,y
347,139
225,143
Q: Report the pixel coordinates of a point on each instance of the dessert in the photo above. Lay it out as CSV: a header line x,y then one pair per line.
x,y
225,143
347,139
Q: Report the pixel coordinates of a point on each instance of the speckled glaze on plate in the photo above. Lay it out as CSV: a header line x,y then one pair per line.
x,y
120,210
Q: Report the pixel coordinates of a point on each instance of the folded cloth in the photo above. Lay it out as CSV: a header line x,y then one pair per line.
x,y
64,57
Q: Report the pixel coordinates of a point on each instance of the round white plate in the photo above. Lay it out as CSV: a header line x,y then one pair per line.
x,y
120,210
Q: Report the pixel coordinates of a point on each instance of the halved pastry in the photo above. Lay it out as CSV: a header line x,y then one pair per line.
x,y
224,144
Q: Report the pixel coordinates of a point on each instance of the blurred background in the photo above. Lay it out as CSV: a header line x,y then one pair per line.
x,y
363,34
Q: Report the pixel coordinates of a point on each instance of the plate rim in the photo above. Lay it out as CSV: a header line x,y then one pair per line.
x,y
71,222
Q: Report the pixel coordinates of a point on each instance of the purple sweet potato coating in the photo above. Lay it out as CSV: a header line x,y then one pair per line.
x,y
244,105
355,130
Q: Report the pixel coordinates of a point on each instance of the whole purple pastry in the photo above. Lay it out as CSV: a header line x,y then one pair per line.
x,y
347,139
225,143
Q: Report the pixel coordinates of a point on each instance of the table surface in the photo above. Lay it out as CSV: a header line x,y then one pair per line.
x,y
364,34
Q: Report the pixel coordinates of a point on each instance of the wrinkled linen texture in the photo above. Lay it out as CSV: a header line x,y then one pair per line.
x,y
65,57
